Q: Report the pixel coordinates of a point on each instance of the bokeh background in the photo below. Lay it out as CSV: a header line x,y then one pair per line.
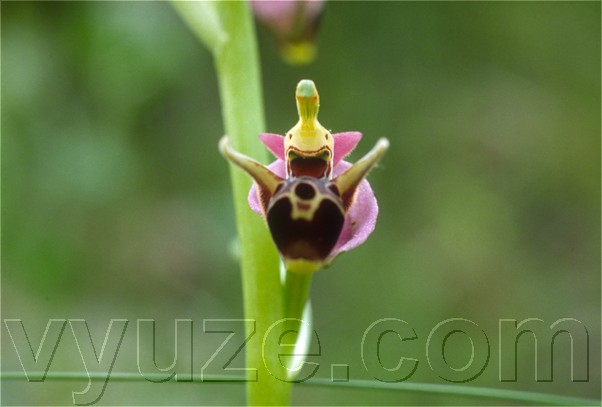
x,y
116,203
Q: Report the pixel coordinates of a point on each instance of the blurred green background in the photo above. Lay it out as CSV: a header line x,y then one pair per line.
x,y
116,203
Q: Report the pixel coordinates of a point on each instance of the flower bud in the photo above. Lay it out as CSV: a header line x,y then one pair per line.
x,y
294,24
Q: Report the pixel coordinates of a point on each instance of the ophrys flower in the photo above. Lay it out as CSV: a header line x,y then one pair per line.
x,y
316,205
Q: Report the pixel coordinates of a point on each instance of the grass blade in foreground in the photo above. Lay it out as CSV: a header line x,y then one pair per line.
x,y
426,388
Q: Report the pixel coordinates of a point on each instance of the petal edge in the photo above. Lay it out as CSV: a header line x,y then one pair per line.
x,y
274,143
344,143
361,217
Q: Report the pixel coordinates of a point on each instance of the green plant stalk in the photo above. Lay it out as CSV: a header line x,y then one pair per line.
x,y
227,28
296,293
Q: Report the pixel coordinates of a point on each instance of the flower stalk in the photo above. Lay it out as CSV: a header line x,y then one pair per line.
x,y
296,293
227,30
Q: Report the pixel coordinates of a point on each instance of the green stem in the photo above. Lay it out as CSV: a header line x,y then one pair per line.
x,y
296,293
227,29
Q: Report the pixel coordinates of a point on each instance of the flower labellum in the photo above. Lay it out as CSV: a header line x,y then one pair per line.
x,y
306,218
316,205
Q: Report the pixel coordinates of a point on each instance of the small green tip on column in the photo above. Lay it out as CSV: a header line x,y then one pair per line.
x,y
306,89
308,102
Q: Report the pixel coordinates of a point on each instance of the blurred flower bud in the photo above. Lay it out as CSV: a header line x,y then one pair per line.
x,y
294,23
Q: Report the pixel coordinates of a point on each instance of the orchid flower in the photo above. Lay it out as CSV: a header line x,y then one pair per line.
x,y
294,24
316,205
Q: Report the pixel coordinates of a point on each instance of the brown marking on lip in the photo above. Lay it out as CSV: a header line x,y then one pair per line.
x,y
303,206
310,153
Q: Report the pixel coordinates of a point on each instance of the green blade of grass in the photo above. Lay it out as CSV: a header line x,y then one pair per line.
x,y
425,388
